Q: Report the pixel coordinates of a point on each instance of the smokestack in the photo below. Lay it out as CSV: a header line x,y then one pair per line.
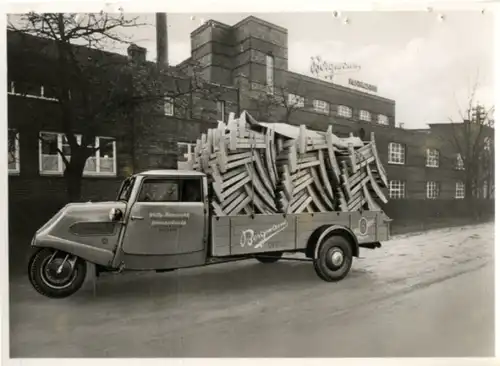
x,y
161,39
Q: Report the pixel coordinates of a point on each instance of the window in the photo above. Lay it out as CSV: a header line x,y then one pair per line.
x,y
185,150
321,106
459,163
31,90
432,190
270,74
383,120
459,190
168,106
106,155
344,111
396,189
13,154
50,161
295,100
221,110
396,153
365,116
191,190
102,162
168,190
432,158
155,190
126,189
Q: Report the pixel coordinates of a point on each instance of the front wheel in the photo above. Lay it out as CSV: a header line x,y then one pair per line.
x,y
56,274
334,259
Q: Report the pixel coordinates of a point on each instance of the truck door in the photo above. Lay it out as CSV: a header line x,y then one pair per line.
x,y
168,217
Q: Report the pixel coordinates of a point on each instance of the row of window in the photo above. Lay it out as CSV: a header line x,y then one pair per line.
x,y
323,107
102,162
397,155
397,190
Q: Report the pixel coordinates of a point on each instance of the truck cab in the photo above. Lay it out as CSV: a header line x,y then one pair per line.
x,y
166,220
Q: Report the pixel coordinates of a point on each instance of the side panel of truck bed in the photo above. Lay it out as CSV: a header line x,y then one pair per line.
x,y
237,235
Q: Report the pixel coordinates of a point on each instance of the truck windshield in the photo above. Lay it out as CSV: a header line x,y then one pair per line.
x,y
126,189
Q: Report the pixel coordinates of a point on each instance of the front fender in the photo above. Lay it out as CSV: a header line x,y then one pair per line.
x,y
85,230
89,253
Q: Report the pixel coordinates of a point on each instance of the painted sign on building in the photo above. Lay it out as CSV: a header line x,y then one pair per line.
x,y
363,85
328,70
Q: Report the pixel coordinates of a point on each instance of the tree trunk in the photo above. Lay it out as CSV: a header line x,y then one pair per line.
x,y
73,176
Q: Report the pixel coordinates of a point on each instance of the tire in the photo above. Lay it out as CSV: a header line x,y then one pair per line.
x,y
41,270
325,264
269,257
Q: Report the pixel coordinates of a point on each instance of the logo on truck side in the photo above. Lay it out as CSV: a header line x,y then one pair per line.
x,y
257,240
363,226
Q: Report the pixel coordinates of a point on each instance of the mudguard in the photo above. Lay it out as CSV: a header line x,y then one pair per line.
x,y
83,229
324,231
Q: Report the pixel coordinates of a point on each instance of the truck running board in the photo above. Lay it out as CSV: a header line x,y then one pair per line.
x,y
285,258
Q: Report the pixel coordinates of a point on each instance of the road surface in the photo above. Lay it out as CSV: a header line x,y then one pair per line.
x,y
427,294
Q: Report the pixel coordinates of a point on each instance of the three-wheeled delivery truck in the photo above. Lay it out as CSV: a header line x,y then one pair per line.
x,y
222,209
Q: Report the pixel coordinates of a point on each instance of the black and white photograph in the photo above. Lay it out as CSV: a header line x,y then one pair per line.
x,y
250,184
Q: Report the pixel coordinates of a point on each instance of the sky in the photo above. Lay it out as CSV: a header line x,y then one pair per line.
x,y
427,65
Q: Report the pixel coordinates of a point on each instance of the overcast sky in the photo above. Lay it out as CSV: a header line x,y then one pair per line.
x,y
427,66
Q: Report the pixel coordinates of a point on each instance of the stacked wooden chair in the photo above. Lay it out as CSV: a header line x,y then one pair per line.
x,y
264,168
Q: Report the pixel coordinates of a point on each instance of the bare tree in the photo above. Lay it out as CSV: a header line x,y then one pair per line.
x,y
281,104
95,87
472,139
82,105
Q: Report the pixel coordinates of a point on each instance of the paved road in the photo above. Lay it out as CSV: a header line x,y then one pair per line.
x,y
430,294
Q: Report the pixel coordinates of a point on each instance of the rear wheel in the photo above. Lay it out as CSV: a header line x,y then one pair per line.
x,y
334,259
56,274
269,257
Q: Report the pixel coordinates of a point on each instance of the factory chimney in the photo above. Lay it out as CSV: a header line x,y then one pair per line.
x,y
161,39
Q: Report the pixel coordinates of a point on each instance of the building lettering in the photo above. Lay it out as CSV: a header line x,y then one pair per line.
x,y
363,85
